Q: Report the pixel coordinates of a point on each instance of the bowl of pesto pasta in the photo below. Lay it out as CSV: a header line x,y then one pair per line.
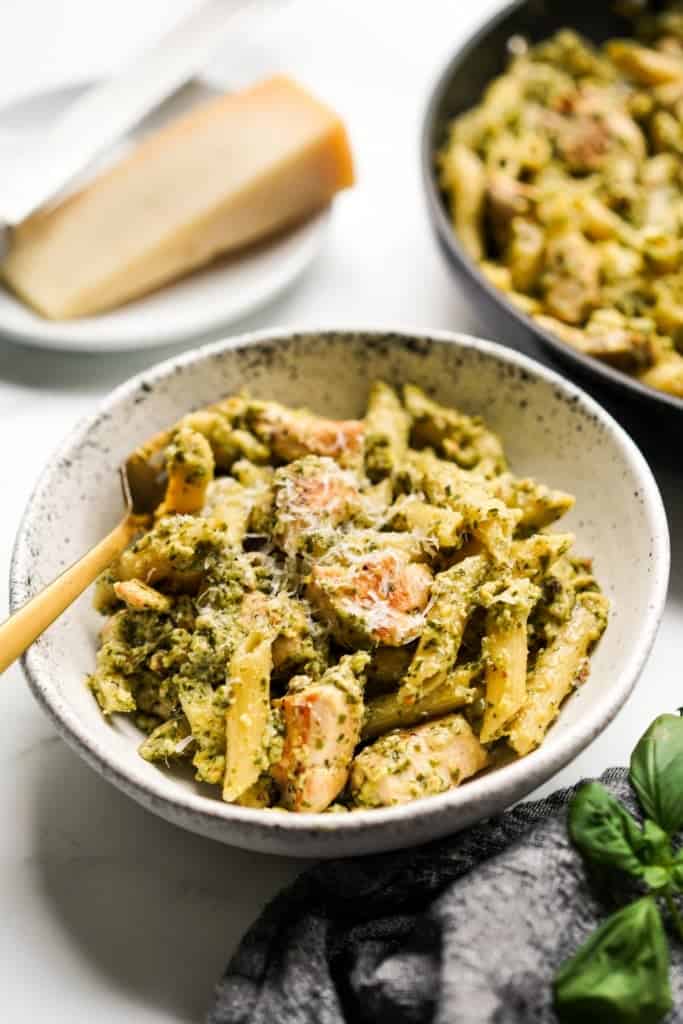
x,y
552,162
381,596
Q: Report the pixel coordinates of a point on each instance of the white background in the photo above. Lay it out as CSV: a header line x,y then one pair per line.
x,y
106,913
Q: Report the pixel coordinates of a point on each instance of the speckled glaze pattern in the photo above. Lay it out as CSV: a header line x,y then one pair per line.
x,y
551,430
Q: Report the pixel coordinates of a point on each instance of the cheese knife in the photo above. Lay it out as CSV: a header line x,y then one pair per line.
x,y
109,110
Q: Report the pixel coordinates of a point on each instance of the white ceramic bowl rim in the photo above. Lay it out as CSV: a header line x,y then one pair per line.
x,y
537,766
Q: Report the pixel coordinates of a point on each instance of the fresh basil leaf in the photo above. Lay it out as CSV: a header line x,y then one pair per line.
x,y
656,855
676,876
656,877
656,844
676,871
620,975
604,831
657,772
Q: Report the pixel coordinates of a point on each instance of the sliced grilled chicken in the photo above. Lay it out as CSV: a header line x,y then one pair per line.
x,y
377,599
312,494
322,723
293,433
409,763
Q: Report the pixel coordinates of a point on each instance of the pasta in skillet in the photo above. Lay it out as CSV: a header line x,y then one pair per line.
x,y
329,615
566,188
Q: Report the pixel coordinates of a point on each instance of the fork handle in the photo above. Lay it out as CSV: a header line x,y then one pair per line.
x,y
21,629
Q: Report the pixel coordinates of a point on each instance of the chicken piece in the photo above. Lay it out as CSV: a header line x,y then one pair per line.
x,y
190,466
571,277
293,433
312,494
411,763
377,599
584,143
138,596
322,723
589,126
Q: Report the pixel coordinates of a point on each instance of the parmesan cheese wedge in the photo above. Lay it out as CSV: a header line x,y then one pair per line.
x,y
228,174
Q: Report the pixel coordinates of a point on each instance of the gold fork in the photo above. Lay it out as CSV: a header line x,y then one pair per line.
x,y
143,484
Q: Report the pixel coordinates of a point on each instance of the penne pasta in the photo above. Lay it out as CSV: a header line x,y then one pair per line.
x,y
189,467
388,711
454,596
386,432
248,714
204,709
505,655
331,614
557,671
564,188
230,506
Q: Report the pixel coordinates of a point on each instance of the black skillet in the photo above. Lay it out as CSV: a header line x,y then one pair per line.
x,y
459,87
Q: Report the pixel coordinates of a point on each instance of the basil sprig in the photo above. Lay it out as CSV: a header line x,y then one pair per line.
x,y
657,772
620,975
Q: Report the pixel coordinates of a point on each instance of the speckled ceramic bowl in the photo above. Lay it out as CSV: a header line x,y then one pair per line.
x,y
550,429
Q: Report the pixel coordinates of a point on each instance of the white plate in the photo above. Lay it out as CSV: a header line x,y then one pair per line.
x,y
205,301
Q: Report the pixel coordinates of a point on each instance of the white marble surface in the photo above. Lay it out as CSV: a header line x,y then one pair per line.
x,y
105,912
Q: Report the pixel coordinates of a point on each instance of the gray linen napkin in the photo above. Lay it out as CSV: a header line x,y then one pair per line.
x,y
466,930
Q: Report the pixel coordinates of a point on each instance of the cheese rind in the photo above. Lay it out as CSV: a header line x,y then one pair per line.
x,y
236,170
